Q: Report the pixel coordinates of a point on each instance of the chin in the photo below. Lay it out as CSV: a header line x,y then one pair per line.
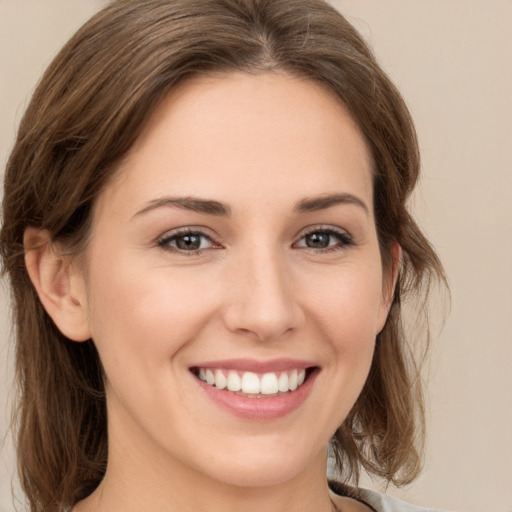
x,y
263,467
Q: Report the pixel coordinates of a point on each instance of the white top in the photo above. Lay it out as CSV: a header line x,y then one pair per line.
x,y
385,503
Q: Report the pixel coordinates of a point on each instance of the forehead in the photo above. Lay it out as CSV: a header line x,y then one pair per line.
x,y
255,135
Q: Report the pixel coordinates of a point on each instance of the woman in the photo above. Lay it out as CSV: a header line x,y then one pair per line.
x,y
206,235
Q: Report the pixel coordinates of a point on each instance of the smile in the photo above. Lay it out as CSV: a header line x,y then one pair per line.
x,y
255,390
251,384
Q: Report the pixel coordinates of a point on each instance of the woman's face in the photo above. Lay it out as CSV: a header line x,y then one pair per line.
x,y
237,246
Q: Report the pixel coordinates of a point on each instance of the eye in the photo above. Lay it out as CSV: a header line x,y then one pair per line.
x,y
325,239
186,241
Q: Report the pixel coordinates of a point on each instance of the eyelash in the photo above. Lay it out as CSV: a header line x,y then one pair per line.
x,y
344,240
165,242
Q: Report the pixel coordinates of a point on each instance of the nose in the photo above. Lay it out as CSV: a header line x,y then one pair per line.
x,y
263,301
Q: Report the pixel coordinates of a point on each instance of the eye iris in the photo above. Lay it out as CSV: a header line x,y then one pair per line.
x,y
318,240
188,242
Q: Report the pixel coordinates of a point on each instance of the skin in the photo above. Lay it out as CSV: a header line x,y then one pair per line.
x,y
258,144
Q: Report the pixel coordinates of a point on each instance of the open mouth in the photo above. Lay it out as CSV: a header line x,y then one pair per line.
x,y
252,384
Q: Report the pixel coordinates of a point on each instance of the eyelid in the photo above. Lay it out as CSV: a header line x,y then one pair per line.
x,y
345,238
330,230
163,240
322,227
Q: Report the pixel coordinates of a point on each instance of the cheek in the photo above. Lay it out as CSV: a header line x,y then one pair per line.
x,y
348,302
346,312
145,317
343,307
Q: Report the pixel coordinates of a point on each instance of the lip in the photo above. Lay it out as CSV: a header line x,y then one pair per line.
x,y
259,409
257,366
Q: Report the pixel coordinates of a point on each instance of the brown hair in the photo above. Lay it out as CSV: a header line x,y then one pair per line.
x,y
86,113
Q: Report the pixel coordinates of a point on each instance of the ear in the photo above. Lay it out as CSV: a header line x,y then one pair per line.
x,y
389,281
60,288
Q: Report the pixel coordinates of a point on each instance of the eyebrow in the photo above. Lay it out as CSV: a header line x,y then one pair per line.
x,y
211,207
188,203
323,202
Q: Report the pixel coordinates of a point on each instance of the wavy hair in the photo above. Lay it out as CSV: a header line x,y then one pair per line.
x,y
89,108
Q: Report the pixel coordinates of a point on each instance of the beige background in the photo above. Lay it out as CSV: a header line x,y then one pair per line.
x,y
452,61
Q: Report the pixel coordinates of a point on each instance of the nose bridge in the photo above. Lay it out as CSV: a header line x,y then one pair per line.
x,y
263,300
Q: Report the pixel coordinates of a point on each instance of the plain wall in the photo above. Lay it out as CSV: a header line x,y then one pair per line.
x,y
452,61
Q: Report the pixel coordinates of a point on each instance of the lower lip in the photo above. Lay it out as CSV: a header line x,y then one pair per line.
x,y
270,408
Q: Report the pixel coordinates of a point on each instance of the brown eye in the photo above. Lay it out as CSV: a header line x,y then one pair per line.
x,y
318,240
189,241
325,239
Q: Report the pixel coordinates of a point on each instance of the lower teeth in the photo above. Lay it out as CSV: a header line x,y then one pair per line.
x,y
252,395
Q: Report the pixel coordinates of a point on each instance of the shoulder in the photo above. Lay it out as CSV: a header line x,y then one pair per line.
x,y
375,500
384,503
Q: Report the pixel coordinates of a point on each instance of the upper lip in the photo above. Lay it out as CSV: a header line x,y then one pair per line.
x,y
256,366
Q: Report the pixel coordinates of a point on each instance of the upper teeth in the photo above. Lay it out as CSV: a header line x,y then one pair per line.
x,y
253,383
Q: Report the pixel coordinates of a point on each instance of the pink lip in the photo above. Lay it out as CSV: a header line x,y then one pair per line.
x,y
257,366
269,408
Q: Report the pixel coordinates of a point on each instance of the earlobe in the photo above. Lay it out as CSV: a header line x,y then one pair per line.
x,y
60,290
396,255
389,283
